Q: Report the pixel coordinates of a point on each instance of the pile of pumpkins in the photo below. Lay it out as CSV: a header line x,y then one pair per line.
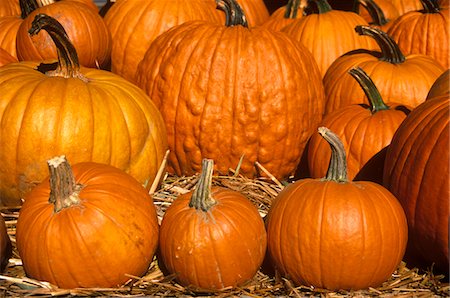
x,y
350,106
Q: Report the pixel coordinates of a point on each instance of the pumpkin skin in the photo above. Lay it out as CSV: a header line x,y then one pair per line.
x,y
6,58
378,13
134,24
316,32
441,86
9,8
255,11
9,26
433,39
222,245
111,231
86,29
89,3
336,234
5,245
221,102
417,173
91,115
284,15
405,79
404,6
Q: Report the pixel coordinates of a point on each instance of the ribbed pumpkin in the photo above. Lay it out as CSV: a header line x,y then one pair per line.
x,y
134,24
404,6
378,13
85,28
403,79
5,245
285,15
424,32
6,58
228,92
86,114
441,86
92,225
212,238
365,131
333,233
319,33
9,8
417,173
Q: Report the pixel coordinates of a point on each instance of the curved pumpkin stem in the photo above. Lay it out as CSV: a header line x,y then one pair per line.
x,y
337,169
431,6
201,198
233,12
64,190
375,12
27,7
371,91
390,50
292,8
68,65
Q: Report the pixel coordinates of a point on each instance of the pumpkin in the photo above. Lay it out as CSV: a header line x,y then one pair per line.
x,y
6,58
404,6
9,8
364,130
5,245
318,33
379,13
256,11
441,86
212,238
403,79
424,32
135,24
89,3
92,225
235,93
333,233
85,28
85,113
416,171
285,15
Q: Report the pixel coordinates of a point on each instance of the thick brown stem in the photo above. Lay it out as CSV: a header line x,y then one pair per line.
x,y
64,190
27,7
201,198
337,170
234,15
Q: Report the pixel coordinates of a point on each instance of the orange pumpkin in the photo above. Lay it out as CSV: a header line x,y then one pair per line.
x,y
285,15
5,245
89,3
236,92
333,233
417,173
212,238
6,58
441,86
319,34
365,132
86,29
86,114
378,13
424,32
404,6
403,79
92,225
9,8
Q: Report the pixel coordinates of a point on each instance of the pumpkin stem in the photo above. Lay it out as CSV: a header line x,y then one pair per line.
x,y
234,15
27,7
431,6
371,91
201,198
292,9
322,7
390,51
375,12
68,65
64,190
337,169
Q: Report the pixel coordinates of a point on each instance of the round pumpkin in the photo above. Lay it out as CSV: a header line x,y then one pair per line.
x,y
441,86
5,245
333,233
329,33
405,79
85,28
87,114
212,238
364,130
425,32
235,93
92,225
417,173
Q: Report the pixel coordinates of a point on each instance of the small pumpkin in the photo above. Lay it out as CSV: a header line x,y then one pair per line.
x,y
334,233
90,225
417,171
212,238
5,245
85,113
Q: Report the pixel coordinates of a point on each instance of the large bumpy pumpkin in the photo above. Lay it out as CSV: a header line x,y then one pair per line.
x,y
403,79
212,238
365,131
85,28
92,225
333,233
232,92
417,173
86,114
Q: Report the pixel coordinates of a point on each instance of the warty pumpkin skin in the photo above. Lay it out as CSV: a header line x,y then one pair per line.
x,y
227,92
405,79
334,233
86,114
417,173
87,226
212,238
